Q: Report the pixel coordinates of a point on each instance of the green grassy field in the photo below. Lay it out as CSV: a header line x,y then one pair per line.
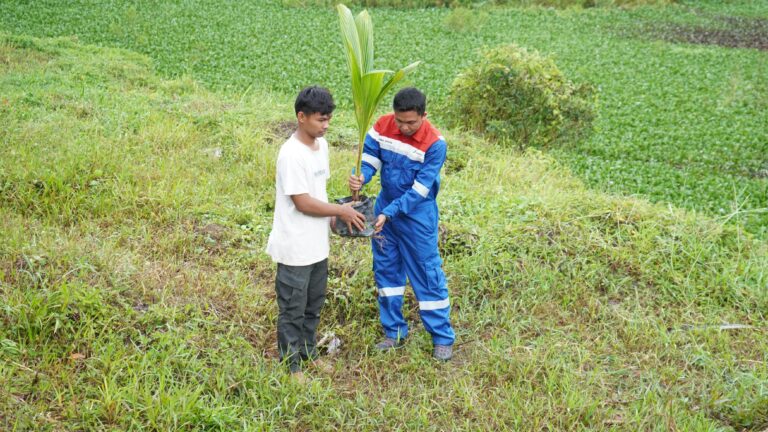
x,y
679,123
134,294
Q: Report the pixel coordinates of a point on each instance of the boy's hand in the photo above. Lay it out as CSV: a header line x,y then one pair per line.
x,y
380,221
355,182
352,217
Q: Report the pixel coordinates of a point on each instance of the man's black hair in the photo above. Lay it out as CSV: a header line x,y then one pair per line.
x,y
314,99
410,99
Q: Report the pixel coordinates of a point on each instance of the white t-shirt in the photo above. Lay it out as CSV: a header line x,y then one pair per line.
x,y
298,239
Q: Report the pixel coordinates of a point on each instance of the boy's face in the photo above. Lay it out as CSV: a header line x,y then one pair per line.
x,y
315,124
409,121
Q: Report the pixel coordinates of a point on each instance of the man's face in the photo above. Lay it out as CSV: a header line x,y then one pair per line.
x,y
409,121
315,124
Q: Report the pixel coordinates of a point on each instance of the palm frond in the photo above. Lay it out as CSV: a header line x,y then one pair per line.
x,y
368,86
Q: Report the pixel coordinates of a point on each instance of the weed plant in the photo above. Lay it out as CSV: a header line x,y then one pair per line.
x,y
520,98
134,293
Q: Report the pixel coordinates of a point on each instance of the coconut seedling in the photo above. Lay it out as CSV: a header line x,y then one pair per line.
x,y
368,89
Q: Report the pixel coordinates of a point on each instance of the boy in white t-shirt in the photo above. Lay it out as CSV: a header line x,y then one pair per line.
x,y
300,228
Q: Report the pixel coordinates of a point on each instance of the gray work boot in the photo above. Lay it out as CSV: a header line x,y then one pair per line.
x,y
443,352
389,343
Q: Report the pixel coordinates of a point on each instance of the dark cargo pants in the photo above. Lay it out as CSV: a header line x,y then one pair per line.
x,y
300,296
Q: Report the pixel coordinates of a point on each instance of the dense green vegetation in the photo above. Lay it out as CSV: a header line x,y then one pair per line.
x,y
679,123
520,98
136,193
134,294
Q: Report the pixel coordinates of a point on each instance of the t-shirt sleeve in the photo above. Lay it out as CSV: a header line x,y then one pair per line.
x,y
292,175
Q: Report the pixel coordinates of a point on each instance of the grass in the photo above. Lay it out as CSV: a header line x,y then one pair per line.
x,y
679,123
134,293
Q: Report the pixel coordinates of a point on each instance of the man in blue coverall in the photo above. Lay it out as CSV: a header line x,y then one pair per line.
x,y
408,152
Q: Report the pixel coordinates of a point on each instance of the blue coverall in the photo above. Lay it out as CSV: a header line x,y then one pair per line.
x,y
410,180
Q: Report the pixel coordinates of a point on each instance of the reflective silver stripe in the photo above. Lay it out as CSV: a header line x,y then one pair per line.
x,y
421,189
392,291
397,146
373,160
434,305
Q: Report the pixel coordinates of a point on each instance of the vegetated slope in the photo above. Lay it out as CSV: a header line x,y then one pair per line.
x,y
135,294
678,123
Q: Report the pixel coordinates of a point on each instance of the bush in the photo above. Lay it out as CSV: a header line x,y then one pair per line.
x,y
462,19
516,96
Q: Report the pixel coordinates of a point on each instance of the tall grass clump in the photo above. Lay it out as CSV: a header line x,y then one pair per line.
x,y
520,98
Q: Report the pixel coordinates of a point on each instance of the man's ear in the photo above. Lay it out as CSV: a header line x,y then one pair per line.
x,y
301,117
425,115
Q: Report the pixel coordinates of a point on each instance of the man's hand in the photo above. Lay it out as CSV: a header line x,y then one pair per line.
x,y
356,182
352,217
380,221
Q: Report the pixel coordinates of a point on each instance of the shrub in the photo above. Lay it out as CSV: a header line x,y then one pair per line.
x,y
516,96
462,19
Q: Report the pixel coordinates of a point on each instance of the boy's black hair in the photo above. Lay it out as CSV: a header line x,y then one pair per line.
x,y
314,99
410,99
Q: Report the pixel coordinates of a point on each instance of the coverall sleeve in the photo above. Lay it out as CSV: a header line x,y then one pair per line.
x,y
371,158
426,179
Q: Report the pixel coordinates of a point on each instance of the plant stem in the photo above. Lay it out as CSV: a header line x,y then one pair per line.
x,y
358,167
